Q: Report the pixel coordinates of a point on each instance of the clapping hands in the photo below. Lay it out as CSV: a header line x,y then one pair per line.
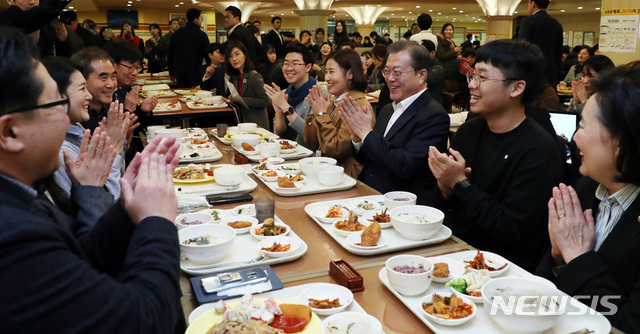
x,y
94,161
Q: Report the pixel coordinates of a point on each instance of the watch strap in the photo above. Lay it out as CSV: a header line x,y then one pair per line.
x,y
460,186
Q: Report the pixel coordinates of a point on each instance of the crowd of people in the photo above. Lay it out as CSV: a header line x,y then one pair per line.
x,y
87,209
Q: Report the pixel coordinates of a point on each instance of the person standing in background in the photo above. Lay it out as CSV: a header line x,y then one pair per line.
x,y
546,32
187,50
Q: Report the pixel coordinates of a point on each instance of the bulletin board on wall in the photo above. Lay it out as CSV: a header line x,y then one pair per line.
x,y
619,30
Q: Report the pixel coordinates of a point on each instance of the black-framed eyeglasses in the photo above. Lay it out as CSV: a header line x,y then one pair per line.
x,y
477,80
131,68
61,102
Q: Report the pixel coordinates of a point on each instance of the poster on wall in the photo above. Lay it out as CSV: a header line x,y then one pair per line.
x,y
577,38
588,38
619,33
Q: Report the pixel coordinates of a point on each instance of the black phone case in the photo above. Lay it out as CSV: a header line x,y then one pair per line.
x,y
226,199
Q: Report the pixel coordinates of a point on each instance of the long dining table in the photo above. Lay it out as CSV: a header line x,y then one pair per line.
x,y
313,266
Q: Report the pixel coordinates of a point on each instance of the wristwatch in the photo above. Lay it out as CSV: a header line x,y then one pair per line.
x,y
461,186
290,111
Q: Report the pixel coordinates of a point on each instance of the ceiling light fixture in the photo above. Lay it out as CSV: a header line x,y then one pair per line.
x,y
580,7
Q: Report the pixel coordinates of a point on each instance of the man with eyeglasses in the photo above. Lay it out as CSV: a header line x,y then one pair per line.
x,y
290,106
394,152
496,179
121,277
187,50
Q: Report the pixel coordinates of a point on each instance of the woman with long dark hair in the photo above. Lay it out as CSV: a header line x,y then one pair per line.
x,y
575,72
447,49
248,83
341,35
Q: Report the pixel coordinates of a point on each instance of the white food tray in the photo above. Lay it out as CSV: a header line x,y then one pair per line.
x,y
234,129
212,188
164,107
193,106
161,93
244,249
396,241
301,152
310,186
482,323
291,295
188,150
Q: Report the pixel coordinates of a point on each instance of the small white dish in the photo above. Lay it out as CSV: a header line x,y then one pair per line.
x,y
262,237
358,206
322,291
351,321
273,161
368,216
282,240
448,322
476,300
193,219
321,213
279,173
347,233
354,240
246,209
298,186
287,150
491,259
245,152
291,169
456,269
221,214
242,230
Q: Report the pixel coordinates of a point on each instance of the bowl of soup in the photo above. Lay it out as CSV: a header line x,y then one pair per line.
x,y
207,243
416,222
523,304
310,166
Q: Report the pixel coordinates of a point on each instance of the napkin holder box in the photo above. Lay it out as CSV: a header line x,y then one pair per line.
x,y
344,274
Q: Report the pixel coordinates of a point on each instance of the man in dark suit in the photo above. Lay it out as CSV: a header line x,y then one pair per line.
x,y
187,49
546,32
213,74
394,153
377,38
274,38
237,32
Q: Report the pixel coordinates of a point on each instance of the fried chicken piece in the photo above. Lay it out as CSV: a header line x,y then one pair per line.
x,y
248,147
441,269
370,235
285,182
240,224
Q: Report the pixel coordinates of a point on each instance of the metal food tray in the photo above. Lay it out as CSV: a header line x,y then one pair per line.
x,y
396,241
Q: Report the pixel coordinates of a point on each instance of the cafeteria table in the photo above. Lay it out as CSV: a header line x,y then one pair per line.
x,y
313,266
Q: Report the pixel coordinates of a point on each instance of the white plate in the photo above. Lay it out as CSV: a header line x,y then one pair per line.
x,y
168,107
368,216
346,233
448,322
203,154
211,188
321,291
455,268
246,209
291,169
344,320
283,240
243,230
482,323
355,238
298,185
491,259
271,178
262,237
320,214
353,205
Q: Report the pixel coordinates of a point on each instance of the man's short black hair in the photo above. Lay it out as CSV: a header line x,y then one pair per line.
x,y
320,30
19,86
518,59
257,21
213,47
273,19
407,34
193,13
469,52
424,21
84,57
307,55
373,34
427,43
235,11
253,29
174,19
123,51
469,36
542,4
419,55
386,34
414,24
351,44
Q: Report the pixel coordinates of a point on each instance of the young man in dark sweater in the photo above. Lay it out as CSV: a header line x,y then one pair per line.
x,y
502,166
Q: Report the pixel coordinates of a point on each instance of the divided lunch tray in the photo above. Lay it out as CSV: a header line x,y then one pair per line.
x,y
310,186
482,323
396,241
244,249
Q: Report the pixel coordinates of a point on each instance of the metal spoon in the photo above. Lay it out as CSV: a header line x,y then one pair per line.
x,y
228,264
